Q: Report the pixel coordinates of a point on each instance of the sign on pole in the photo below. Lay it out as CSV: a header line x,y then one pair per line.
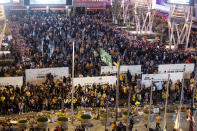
x,y
106,58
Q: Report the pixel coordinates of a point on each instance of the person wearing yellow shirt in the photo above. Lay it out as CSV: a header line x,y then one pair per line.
x,y
28,93
127,87
125,90
7,75
74,102
104,87
188,113
19,72
12,98
104,95
196,95
133,98
91,65
88,66
187,61
41,64
121,77
135,88
158,120
89,92
192,80
42,85
164,95
95,93
113,126
10,90
2,99
102,102
54,101
177,85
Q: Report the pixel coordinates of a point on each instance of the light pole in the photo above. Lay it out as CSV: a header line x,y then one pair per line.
x,y
128,111
73,68
151,95
167,91
117,88
177,122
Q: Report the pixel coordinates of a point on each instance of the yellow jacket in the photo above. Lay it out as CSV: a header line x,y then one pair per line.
x,y
2,98
158,118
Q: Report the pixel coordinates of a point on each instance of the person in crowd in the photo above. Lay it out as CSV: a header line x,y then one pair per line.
x,y
113,126
121,127
158,120
188,113
131,123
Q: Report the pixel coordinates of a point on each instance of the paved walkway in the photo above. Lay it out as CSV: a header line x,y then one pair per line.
x,y
97,126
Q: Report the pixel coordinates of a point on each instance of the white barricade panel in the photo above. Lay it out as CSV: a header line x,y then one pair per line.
x,y
95,80
38,75
157,78
14,81
133,69
173,68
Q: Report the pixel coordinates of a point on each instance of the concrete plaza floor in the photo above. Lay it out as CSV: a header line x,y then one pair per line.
x,y
140,120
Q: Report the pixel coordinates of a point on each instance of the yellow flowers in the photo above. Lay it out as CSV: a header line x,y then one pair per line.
x,y
137,103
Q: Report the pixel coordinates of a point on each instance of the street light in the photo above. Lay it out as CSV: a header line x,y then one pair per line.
x,y
73,68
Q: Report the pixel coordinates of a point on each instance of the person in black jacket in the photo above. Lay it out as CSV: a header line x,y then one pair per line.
x,y
131,123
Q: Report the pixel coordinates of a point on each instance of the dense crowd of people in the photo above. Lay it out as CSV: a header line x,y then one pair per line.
x,y
47,41
57,95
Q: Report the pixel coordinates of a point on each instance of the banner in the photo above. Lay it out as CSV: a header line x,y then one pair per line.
x,y
38,75
133,69
173,68
46,2
157,78
95,80
106,58
14,81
